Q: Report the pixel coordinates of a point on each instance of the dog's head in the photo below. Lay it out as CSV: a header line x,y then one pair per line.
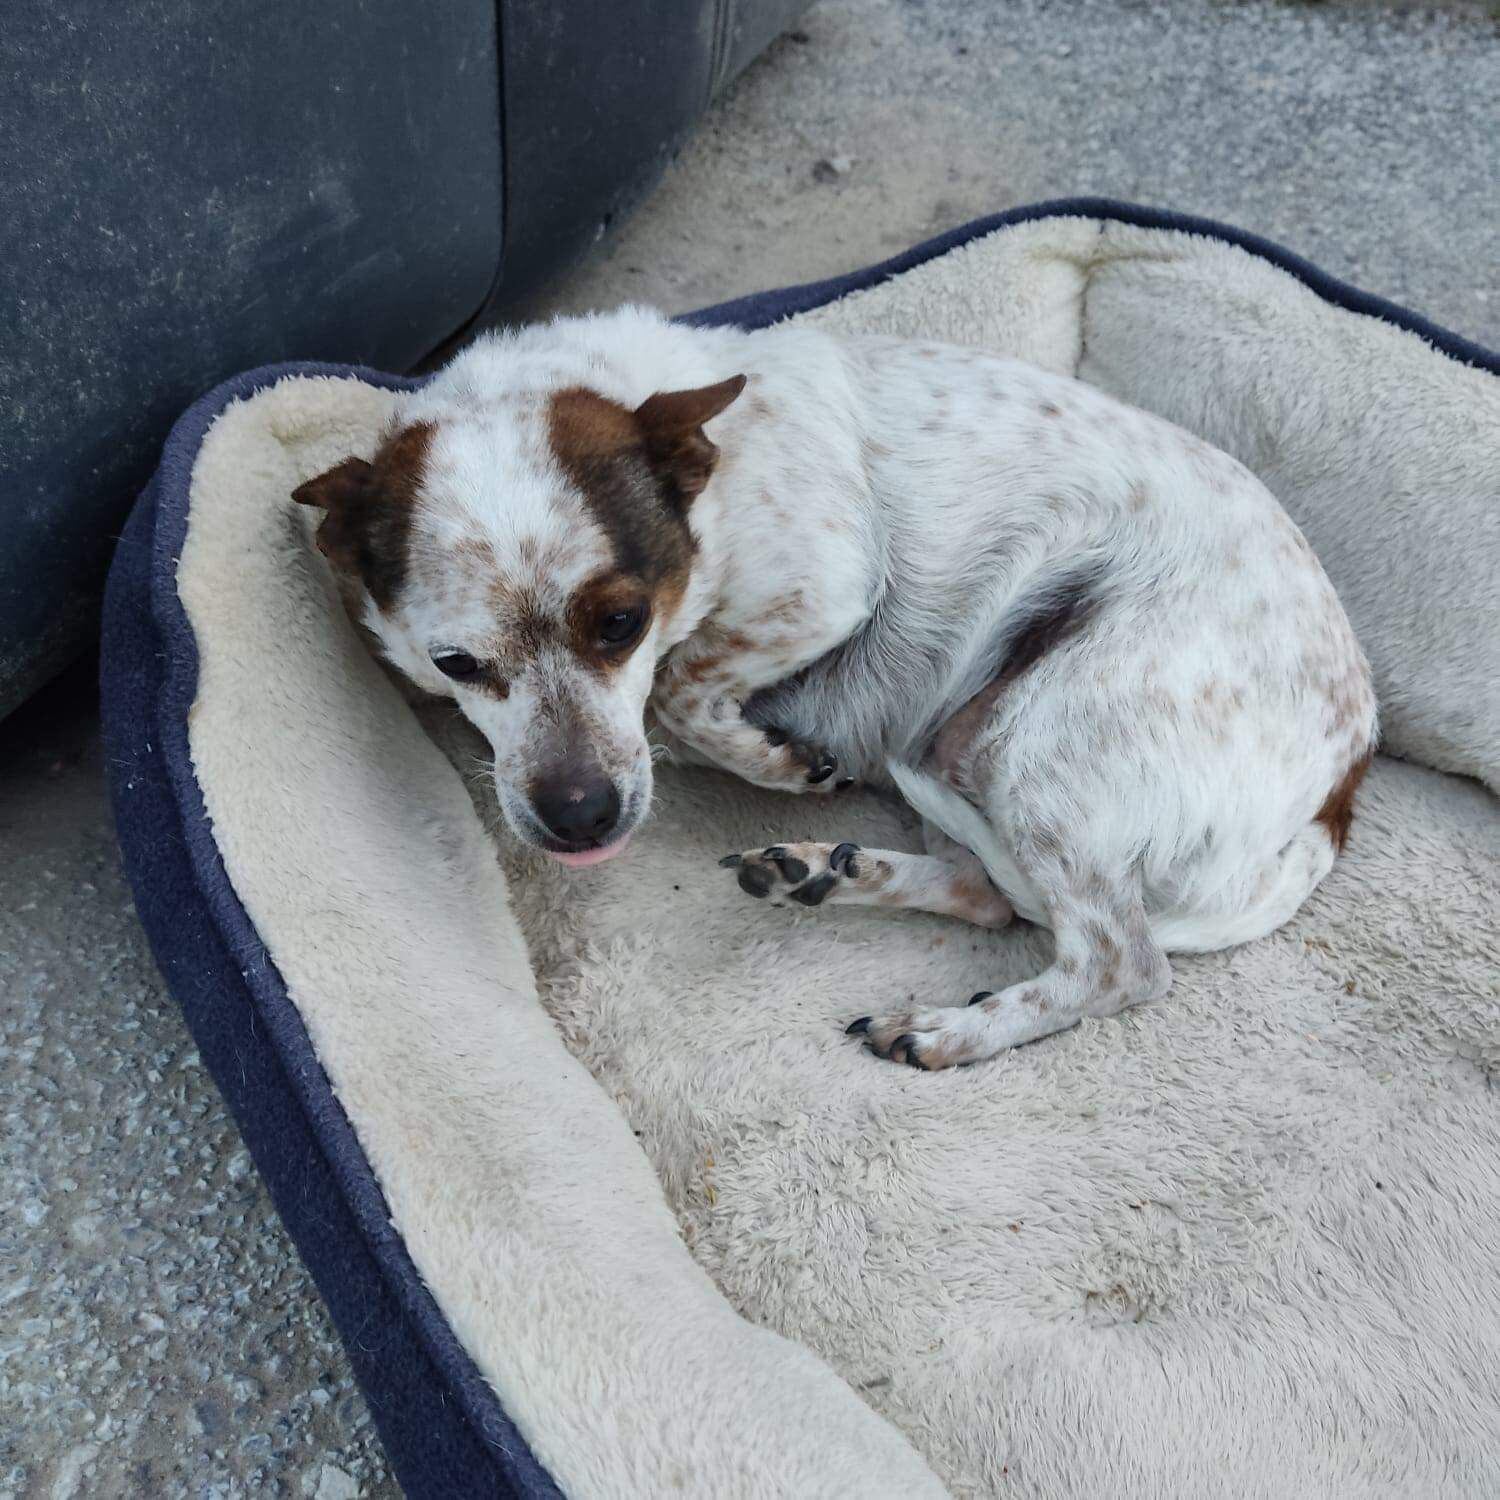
x,y
527,554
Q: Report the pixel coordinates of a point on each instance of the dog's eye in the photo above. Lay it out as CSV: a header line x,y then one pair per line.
x,y
623,626
458,665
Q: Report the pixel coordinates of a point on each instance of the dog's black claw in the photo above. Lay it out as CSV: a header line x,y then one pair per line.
x,y
774,852
755,881
814,892
842,858
776,737
825,768
980,995
859,1027
844,785
731,861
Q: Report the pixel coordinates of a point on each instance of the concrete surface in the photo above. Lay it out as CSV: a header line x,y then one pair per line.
x,y
157,1334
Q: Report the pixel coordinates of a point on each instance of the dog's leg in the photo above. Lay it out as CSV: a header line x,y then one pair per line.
x,y
1106,960
697,700
846,875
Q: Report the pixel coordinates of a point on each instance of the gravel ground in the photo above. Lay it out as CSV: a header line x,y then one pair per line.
x,y
1362,136
157,1334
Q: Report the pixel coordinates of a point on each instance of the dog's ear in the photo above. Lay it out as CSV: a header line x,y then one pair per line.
x,y
368,510
346,493
337,488
671,423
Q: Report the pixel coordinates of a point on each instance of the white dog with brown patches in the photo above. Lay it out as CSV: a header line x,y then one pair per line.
x,y
1094,653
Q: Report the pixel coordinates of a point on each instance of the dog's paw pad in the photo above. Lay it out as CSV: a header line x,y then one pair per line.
x,y
755,880
815,891
806,874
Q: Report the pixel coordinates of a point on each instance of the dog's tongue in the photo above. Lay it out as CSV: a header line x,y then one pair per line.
x,y
591,856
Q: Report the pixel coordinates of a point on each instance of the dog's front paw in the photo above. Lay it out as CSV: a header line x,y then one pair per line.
x,y
807,874
927,1039
810,766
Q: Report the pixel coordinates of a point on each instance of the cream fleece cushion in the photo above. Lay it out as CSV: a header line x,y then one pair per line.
x,y
1238,1243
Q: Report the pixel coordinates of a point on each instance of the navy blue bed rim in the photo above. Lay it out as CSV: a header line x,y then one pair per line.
x,y
445,1432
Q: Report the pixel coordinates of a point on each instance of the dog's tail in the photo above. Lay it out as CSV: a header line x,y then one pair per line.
x,y
966,825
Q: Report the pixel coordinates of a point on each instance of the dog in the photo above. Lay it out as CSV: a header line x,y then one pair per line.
x,y
1093,652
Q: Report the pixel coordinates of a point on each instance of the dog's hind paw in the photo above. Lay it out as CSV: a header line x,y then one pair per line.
x,y
928,1039
809,767
804,874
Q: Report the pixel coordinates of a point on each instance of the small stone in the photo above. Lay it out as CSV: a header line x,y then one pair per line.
x,y
335,1484
84,1230
70,1470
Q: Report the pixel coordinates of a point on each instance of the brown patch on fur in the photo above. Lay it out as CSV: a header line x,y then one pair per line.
x,y
476,550
1029,996
592,604
531,627
1053,620
955,740
1145,956
1102,940
701,668
1348,701
637,476
1045,840
1337,812
368,507
788,610
976,899
1049,409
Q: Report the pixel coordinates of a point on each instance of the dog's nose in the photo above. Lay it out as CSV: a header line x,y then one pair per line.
x,y
578,808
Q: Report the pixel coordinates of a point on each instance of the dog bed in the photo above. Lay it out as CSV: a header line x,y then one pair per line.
x,y
600,1196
